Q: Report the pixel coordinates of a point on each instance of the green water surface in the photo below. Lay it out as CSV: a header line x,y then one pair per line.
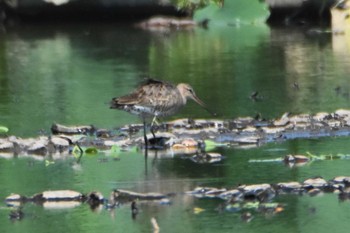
x,y
68,74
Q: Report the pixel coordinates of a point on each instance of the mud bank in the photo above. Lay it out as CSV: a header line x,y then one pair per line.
x,y
182,136
281,11
87,10
299,11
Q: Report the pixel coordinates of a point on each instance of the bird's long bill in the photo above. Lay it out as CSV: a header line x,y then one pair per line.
x,y
201,103
198,101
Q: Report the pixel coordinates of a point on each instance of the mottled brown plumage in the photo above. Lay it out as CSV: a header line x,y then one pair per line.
x,y
156,99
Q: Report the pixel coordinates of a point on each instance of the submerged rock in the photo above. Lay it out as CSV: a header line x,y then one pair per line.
x,y
16,214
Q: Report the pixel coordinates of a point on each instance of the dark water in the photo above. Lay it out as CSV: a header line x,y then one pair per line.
x,y
68,74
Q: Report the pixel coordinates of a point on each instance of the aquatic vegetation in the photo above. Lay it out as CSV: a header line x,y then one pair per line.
x,y
293,160
191,5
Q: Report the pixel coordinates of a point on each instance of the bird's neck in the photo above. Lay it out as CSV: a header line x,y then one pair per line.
x,y
184,100
183,96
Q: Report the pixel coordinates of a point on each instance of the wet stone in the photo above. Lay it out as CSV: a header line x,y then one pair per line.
x,y
302,118
214,192
334,123
57,195
301,126
23,143
59,142
346,121
38,147
314,183
231,194
15,197
241,131
205,191
281,122
341,179
342,112
6,146
289,187
124,195
249,129
62,129
321,116
258,191
273,130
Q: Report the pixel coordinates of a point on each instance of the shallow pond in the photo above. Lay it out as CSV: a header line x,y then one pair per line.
x,y
68,74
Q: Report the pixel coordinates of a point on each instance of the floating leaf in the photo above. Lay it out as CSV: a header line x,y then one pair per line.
x,y
265,160
269,205
48,162
233,207
251,205
210,145
198,210
91,150
3,129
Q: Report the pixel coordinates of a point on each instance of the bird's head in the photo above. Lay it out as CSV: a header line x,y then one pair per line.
x,y
187,92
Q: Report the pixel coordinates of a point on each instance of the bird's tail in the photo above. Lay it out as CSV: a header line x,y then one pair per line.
x,y
114,104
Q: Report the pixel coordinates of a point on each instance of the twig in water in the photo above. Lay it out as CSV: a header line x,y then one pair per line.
x,y
155,225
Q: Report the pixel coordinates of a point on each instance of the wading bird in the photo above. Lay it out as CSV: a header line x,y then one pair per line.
x,y
155,99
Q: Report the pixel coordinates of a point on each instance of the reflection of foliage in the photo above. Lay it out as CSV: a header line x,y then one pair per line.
x,y
192,5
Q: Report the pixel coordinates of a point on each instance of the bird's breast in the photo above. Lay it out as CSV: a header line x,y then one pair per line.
x,y
139,110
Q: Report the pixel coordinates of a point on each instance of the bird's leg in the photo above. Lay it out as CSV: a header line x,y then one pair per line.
x,y
154,121
152,131
151,128
144,134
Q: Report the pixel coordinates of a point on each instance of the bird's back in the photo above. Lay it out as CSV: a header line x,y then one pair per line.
x,y
153,98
